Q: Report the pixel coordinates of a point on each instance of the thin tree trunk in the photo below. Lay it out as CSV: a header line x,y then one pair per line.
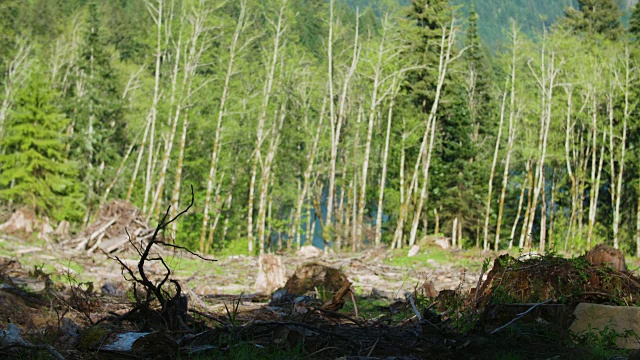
x,y
156,95
307,173
118,173
485,231
233,48
384,170
529,185
372,112
552,211
173,123
139,159
593,207
546,81
266,173
280,28
336,124
626,89
568,131
446,46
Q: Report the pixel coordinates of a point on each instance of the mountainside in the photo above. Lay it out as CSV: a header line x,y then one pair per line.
x,y
531,15
494,15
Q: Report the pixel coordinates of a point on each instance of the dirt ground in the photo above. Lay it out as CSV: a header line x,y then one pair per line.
x,y
388,273
57,295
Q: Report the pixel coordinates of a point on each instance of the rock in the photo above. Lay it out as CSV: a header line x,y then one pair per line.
x,y
311,276
603,254
596,317
123,342
11,336
271,273
413,251
109,289
69,333
309,252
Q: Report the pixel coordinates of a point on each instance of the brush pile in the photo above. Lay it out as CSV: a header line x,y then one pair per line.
x,y
117,223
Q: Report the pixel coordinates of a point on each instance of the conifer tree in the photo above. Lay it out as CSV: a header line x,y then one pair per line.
x,y
33,169
593,17
634,21
99,135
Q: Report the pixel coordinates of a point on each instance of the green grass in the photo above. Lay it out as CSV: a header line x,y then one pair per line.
x,y
467,259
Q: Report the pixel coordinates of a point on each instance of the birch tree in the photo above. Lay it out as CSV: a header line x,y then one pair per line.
x,y
280,28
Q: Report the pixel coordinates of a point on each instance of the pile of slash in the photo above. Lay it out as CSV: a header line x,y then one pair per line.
x,y
118,224
316,315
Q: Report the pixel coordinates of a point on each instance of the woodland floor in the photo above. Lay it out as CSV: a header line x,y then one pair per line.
x,y
86,289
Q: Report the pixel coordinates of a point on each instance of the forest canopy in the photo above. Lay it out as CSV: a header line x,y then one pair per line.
x,y
345,124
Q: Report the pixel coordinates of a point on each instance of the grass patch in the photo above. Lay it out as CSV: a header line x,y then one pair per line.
x,y
433,257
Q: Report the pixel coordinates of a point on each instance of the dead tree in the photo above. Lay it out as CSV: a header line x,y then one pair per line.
x,y
172,315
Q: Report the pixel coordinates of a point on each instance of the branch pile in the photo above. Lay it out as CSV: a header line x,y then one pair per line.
x,y
568,281
117,223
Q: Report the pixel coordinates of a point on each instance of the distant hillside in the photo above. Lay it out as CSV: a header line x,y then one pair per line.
x,y
530,15
495,14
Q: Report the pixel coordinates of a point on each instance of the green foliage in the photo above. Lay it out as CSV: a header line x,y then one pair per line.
x,y
601,17
33,168
602,343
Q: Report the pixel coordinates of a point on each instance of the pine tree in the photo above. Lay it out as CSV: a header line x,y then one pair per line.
x,y
99,135
593,17
33,170
429,17
634,21
450,184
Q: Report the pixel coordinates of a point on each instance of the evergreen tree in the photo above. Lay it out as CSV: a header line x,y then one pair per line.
x,y
99,135
429,17
593,17
449,186
479,77
33,169
634,21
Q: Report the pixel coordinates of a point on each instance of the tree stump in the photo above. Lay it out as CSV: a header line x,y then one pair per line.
x,y
603,254
271,273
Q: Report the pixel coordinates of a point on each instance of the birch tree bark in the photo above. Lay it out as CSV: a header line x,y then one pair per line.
x,y
16,72
385,159
241,26
268,88
336,123
546,82
266,173
446,47
625,85
307,173
493,171
156,11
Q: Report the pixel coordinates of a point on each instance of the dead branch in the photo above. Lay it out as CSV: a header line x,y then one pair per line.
x,y
173,308
520,316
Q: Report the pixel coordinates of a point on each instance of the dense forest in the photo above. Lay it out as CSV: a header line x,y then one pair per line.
x,y
294,117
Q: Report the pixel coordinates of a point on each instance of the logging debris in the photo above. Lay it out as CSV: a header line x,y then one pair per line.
x,y
118,225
